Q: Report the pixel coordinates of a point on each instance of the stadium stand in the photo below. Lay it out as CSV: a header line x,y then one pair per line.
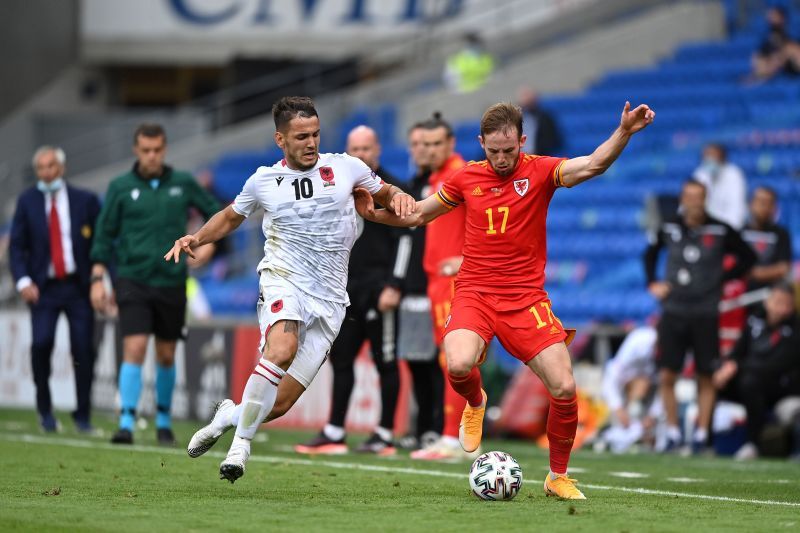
x,y
596,232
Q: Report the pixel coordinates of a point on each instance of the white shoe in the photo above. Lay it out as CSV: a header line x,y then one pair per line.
x,y
746,452
206,437
232,468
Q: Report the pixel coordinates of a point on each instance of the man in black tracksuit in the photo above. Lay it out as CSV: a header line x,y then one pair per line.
x,y
764,366
690,293
378,265
416,344
769,241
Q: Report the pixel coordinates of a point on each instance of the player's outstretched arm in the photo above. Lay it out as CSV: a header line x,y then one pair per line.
x,y
580,169
217,227
395,200
424,211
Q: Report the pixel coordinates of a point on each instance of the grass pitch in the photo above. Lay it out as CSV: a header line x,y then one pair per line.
x,y
68,482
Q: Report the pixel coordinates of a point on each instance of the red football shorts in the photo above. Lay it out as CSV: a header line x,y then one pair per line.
x,y
440,293
524,330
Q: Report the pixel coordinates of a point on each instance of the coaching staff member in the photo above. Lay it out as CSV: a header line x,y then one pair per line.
x,y
145,211
690,293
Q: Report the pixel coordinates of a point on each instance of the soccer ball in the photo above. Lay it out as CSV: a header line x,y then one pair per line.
x,y
495,476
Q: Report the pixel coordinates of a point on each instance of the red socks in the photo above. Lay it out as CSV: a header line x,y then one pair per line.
x,y
468,386
562,423
454,405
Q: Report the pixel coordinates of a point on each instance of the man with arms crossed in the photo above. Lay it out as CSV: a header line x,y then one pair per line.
x,y
499,288
310,227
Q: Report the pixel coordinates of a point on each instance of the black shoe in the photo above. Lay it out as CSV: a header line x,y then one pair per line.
x,y
122,436
165,437
375,444
83,425
322,445
49,423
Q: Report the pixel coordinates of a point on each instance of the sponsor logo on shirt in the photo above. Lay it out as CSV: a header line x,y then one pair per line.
x,y
477,191
497,191
175,191
279,179
135,194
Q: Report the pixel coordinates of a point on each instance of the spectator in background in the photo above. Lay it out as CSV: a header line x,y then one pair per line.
x,y
778,52
769,241
470,68
51,236
444,240
696,244
416,343
726,187
377,270
628,389
764,366
145,211
539,125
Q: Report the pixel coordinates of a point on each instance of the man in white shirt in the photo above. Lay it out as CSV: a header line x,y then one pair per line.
x,y
726,186
51,235
309,227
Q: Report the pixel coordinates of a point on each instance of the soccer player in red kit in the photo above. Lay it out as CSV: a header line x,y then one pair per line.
x,y
499,289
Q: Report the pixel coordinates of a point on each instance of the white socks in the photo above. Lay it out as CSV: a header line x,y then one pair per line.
x,y
333,432
258,398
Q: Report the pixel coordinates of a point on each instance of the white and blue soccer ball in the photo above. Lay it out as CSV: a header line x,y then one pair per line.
x,y
495,476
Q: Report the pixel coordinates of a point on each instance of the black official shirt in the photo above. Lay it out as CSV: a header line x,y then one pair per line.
x,y
694,264
773,350
771,244
380,255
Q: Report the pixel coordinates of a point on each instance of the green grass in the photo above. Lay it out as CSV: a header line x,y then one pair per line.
x,y
69,482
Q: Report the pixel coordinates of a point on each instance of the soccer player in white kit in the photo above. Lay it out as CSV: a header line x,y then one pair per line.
x,y
310,227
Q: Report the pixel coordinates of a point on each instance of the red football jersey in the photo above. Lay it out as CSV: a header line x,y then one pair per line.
x,y
505,243
444,237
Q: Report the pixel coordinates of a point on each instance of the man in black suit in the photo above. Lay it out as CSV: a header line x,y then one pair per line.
x,y
51,236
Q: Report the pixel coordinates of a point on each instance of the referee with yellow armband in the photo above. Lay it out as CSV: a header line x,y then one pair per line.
x,y
145,211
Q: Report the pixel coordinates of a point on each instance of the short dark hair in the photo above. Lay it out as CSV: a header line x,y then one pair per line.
x,y
150,130
767,189
502,117
719,147
289,107
694,182
436,121
415,126
783,286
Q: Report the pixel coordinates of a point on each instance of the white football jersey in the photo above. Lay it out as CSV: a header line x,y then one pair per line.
x,y
309,220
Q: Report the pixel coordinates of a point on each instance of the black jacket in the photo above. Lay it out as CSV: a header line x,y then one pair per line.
x,y
379,257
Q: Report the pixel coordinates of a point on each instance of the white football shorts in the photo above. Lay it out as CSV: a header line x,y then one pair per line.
x,y
320,321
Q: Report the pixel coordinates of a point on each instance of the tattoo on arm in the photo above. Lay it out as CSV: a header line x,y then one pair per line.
x,y
290,326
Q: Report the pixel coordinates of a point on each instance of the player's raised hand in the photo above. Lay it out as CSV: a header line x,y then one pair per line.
x,y
403,204
365,205
636,120
186,244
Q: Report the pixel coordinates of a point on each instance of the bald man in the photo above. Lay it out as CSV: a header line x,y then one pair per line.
x,y
378,265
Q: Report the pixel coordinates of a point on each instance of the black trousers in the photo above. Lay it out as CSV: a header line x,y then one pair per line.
x,y
363,322
429,393
69,297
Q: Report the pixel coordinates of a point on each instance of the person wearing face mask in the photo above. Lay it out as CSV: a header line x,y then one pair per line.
x,y
51,236
726,186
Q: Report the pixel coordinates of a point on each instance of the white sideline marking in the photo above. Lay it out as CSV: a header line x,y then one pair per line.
x,y
684,480
629,475
76,443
